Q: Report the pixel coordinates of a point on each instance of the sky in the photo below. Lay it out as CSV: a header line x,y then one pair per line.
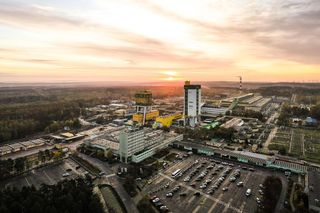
x,y
159,40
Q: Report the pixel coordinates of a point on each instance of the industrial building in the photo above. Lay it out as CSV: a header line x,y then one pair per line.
x,y
233,123
167,120
107,139
207,110
243,156
132,144
144,111
248,101
137,145
67,137
15,147
192,104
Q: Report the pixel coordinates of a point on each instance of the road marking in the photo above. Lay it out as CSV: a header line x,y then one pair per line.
x,y
212,207
205,195
216,203
196,209
246,178
242,206
302,139
290,146
191,199
27,181
227,206
49,178
111,175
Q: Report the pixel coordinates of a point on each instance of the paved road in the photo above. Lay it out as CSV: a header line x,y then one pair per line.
x,y
283,194
268,141
112,179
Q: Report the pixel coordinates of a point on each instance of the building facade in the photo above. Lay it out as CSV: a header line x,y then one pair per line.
x,y
131,141
192,104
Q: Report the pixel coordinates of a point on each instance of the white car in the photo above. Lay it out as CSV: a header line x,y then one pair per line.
x,y
155,200
65,174
248,192
240,183
203,186
169,194
258,200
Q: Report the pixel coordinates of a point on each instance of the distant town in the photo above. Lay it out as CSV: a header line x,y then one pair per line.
x,y
190,148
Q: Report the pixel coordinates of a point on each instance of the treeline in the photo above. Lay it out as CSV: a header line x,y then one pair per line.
x,y
17,121
207,134
288,112
68,196
10,167
28,110
247,114
272,192
287,91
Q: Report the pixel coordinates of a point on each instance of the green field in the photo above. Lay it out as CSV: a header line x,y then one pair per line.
x,y
312,145
305,144
281,140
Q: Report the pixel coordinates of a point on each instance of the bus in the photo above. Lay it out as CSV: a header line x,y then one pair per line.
x,y
176,173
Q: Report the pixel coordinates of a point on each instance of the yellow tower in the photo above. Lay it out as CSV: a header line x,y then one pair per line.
x,y
144,110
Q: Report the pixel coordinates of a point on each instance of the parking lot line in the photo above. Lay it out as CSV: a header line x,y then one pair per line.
x,y
207,196
49,178
227,206
246,178
191,199
215,204
196,209
212,207
242,206
27,181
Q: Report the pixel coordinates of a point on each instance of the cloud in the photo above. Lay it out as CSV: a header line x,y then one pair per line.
x,y
222,39
290,29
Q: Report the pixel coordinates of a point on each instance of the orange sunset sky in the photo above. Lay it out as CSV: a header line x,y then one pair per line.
x,y
159,40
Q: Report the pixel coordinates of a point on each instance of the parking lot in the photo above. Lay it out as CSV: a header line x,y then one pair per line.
x,y
208,185
47,175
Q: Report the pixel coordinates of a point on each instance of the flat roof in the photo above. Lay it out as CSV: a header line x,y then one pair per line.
x,y
5,148
254,155
27,143
16,145
104,143
67,134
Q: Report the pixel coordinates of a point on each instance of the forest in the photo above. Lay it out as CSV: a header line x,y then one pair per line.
x,y
27,111
288,112
272,190
68,196
207,134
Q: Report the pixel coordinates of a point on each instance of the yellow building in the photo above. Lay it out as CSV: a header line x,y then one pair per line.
x,y
143,98
166,120
152,115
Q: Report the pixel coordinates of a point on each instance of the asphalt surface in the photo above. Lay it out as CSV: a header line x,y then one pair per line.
x,y
111,178
50,174
232,200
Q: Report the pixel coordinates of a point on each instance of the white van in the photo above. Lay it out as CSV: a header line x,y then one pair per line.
x,y
248,192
